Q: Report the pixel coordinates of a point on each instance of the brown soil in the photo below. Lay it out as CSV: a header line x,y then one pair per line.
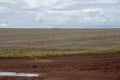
x,y
82,67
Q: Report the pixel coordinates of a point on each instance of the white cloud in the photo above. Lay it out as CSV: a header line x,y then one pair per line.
x,y
7,1
3,25
3,9
90,10
59,12
40,3
104,1
85,15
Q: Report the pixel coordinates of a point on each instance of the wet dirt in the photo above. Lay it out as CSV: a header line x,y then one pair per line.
x,y
74,67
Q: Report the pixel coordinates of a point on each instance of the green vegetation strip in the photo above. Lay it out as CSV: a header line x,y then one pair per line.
x,y
56,53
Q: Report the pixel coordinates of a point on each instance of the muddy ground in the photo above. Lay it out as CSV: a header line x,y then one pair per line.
x,y
77,67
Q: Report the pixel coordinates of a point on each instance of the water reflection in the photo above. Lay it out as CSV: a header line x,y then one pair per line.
x,y
19,74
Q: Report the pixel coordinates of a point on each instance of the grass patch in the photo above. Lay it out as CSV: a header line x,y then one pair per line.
x,y
56,53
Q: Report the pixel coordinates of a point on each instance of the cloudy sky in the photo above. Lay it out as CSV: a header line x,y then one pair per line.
x,y
60,13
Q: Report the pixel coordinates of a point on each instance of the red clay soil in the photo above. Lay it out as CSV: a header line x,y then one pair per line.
x,y
79,67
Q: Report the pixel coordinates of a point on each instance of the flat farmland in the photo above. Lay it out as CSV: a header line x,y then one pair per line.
x,y
61,54
59,39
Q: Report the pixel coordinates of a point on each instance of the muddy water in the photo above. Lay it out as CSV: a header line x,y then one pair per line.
x,y
19,74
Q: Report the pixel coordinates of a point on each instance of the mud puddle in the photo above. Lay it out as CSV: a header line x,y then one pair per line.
x,y
15,74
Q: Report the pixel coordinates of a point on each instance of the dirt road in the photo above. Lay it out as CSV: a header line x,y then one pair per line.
x,y
82,67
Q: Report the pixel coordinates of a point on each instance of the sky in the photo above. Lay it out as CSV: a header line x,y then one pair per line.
x,y
60,13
